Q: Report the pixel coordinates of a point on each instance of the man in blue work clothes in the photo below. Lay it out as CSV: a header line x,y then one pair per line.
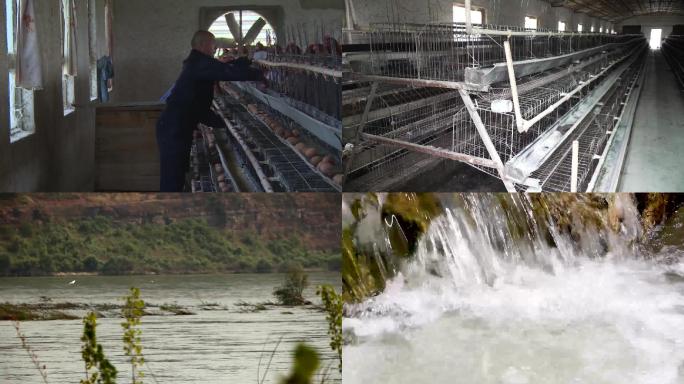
x,y
190,103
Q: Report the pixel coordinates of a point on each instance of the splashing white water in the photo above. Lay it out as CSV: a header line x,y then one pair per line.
x,y
477,307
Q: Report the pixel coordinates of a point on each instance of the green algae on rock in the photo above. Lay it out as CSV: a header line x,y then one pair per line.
x,y
384,230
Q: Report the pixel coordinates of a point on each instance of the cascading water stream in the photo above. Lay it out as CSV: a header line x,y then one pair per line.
x,y
496,292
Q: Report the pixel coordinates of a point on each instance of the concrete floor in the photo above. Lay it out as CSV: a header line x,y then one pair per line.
x,y
655,155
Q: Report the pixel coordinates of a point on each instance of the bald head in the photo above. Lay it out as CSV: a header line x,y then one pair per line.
x,y
205,42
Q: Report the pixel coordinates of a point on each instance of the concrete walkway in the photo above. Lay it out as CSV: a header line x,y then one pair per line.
x,y
655,155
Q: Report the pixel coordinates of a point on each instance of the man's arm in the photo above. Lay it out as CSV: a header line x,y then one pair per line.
x,y
215,70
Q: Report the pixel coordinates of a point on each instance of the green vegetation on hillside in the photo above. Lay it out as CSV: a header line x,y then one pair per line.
x,y
103,245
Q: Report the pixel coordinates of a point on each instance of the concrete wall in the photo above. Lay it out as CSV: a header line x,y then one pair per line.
x,y
152,37
499,12
59,156
650,22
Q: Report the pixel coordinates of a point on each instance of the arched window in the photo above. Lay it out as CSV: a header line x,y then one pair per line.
x,y
243,28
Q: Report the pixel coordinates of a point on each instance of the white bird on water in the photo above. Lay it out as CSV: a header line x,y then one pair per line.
x,y
72,282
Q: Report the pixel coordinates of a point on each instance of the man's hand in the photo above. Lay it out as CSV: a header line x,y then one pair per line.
x,y
264,83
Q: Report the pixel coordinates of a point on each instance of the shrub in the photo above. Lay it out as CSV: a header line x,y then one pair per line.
x,y
90,264
117,266
264,266
287,266
292,290
26,230
244,267
5,264
335,264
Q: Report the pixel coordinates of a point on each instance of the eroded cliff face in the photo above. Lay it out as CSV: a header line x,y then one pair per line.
x,y
314,218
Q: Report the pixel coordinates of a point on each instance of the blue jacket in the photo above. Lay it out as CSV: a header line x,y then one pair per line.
x,y
191,98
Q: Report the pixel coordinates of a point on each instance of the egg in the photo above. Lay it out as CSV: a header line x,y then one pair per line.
x,y
338,179
329,159
292,140
315,160
310,152
218,167
301,147
326,168
296,132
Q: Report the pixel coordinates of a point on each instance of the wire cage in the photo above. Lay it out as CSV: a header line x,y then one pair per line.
x,y
443,52
673,51
592,135
403,124
417,115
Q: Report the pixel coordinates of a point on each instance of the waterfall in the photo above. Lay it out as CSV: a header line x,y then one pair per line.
x,y
519,289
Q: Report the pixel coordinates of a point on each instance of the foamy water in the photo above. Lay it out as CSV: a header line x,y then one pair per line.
x,y
468,310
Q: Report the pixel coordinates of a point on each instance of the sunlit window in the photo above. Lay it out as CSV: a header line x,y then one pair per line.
x,y
21,121
250,27
476,16
579,28
561,26
530,22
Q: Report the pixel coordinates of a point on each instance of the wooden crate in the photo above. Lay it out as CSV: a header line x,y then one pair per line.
x,y
126,153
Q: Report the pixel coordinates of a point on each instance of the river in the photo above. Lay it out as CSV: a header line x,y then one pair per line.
x,y
474,306
218,344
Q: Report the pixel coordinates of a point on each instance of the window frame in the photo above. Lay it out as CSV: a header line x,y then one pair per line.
x,y
24,124
92,48
68,81
536,23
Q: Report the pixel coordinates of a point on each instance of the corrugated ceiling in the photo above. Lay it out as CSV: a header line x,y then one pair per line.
x,y
618,10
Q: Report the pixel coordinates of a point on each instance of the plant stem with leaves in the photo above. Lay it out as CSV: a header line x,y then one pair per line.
x,y
333,306
42,369
132,312
93,355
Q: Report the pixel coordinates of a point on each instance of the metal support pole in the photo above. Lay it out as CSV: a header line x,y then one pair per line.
x,y
469,21
432,151
575,166
520,123
362,125
491,149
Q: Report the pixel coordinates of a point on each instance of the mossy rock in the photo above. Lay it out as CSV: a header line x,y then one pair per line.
x,y
569,211
672,233
360,276
405,217
656,208
408,217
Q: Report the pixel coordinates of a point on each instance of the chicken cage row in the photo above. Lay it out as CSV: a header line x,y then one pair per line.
x,y
673,51
446,52
436,118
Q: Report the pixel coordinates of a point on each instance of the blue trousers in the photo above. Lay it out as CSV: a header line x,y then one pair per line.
x,y
174,157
